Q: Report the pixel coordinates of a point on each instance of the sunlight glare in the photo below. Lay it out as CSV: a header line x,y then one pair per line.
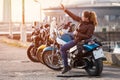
x,y
1,10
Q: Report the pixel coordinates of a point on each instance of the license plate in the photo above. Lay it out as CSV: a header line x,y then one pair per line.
x,y
98,53
73,49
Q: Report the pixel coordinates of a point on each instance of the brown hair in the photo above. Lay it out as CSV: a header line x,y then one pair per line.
x,y
91,15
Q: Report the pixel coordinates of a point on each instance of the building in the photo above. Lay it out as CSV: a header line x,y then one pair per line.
x,y
107,13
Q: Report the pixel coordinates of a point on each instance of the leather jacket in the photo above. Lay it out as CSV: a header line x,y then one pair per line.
x,y
85,29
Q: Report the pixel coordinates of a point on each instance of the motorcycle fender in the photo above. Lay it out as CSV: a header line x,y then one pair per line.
x,y
49,48
40,48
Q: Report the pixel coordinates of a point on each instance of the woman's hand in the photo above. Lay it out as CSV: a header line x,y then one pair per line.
x,y
62,6
75,33
76,37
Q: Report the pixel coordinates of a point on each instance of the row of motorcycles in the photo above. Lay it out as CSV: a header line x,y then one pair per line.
x,y
87,54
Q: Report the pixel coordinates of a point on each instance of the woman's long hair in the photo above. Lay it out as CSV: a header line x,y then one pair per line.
x,y
91,15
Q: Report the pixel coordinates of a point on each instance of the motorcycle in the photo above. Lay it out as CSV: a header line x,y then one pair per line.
x,y
87,55
36,46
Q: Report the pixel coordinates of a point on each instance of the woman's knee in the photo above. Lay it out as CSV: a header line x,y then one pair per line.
x,y
62,49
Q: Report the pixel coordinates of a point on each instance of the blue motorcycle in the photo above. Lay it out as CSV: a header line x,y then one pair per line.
x,y
87,55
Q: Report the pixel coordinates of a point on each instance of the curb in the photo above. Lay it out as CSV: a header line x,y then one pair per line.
x,y
113,59
14,42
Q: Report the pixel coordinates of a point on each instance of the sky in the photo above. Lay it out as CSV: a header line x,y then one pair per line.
x,y
32,8
1,10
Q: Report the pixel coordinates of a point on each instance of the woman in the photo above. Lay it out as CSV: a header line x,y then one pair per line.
x,y
88,21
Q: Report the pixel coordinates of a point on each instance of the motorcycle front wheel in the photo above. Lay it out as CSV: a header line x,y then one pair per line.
x,y
31,55
52,61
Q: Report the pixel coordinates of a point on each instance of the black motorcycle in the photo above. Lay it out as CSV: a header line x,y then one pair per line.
x,y
87,55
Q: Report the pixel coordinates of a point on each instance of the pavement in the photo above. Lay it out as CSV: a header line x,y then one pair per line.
x,y
15,65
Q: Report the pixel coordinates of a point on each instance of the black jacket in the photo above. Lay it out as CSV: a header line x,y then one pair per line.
x,y
85,30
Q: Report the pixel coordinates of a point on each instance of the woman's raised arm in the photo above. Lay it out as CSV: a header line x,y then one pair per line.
x,y
73,16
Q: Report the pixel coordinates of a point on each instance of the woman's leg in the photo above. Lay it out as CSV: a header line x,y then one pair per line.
x,y
63,52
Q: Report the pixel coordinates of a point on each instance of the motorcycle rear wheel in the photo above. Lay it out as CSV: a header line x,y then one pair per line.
x,y
94,67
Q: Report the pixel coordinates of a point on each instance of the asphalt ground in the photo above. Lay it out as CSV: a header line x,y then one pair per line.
x,y
15,65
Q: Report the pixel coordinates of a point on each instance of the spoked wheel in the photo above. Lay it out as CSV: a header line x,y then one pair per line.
x,y
52,61
94,67
31,54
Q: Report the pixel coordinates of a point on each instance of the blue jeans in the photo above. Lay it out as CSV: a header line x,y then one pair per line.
x,y
63,50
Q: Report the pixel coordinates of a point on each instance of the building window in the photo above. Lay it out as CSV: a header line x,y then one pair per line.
x,y
106,17
112,17
119,17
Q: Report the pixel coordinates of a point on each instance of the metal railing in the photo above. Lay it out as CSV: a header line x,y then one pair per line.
x,y
110,45
4,27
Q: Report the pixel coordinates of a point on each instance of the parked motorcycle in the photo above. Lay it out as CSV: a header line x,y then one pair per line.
x,y
87,55
36,45
39,39
31,51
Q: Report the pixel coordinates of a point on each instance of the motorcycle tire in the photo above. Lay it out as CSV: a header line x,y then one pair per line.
x,y
97,65
46,60
30,54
